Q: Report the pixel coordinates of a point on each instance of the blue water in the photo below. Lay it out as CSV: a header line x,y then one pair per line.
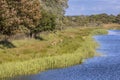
x,y
106,67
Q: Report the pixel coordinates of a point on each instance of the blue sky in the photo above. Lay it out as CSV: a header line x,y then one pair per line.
x,y
88,7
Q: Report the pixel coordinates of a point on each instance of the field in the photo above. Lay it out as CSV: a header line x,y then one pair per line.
x,y
56,49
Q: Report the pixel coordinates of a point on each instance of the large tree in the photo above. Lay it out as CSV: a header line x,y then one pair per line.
x,y
30,14
19,15
9,20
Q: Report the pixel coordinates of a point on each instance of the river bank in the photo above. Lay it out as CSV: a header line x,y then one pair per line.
x,y
105,67
76,45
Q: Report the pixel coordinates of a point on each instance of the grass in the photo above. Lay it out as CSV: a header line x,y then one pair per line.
x,y
99,31
112,26
57,50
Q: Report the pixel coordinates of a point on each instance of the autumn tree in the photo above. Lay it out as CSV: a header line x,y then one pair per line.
x,y
30,14
19,15
9,20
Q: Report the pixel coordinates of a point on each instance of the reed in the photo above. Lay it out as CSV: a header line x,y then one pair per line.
x,y
76,46
99,31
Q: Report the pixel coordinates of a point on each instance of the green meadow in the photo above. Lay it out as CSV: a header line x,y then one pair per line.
x,y
58,49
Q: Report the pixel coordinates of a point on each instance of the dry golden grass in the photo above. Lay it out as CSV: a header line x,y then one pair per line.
x,y
111,26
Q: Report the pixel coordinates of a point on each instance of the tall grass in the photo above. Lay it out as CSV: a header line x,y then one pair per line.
x,y
75,46
99,31
38,65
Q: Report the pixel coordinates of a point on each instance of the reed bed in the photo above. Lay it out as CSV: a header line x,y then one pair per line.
x,y
99,31
84,48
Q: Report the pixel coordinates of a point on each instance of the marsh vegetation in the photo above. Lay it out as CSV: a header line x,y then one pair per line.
x,y
57,50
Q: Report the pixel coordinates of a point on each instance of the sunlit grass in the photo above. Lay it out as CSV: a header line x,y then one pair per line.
x,y
112,26
57,50
99,31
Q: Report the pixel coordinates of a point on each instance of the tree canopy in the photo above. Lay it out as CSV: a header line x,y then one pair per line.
x,y
118,18
19,16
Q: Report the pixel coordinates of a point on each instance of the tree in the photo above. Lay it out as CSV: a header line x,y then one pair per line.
x,y
9,20
118,19
30,14
46,23
112,18
55,7
19,15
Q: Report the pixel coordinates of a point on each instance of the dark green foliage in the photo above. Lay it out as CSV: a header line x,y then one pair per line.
x,y
6,44
112,18
92,20
76,20
55,7
47,22
118,18
102,18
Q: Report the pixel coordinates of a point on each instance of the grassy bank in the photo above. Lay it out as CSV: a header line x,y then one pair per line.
x,y
56,50
112,26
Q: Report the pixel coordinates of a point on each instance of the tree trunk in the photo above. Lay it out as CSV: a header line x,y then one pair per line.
x,y
33,35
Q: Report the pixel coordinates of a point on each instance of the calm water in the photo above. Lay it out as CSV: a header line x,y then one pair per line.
x,y
106,67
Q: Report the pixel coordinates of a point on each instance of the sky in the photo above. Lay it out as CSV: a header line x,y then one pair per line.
x,y
88,7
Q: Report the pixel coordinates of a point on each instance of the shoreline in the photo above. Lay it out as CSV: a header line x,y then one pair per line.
x,y
60,61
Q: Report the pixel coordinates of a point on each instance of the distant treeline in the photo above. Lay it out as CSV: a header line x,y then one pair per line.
x,y
92,20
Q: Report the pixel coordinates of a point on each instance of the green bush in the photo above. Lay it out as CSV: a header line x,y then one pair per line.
x,y
99,32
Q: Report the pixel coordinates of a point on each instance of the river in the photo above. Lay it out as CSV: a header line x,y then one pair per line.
x,y
105,67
